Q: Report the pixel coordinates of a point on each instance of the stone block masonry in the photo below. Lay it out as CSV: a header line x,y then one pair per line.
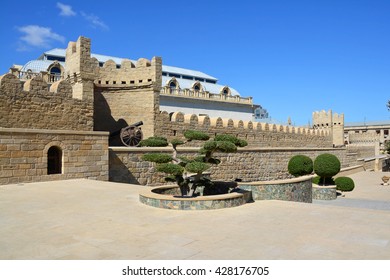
x,y
248,164
36,106
25,156
255,133
126,95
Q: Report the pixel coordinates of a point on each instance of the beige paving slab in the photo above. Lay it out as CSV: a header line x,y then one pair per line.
x,y
86,219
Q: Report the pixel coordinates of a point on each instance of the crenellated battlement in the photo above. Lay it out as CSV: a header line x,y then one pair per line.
x,y
331,122
256,133
11,85
142,73
37,104
323,119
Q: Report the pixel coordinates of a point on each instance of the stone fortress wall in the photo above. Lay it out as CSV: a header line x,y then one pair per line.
x,y
75,115
46,133
35,105
255,133
127,95
24,155
248,164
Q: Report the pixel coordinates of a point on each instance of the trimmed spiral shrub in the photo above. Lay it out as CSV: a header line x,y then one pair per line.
x,y
326,166
344,184
300,165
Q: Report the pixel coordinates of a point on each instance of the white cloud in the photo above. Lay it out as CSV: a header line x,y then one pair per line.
x,y
95,21
66,10
38,36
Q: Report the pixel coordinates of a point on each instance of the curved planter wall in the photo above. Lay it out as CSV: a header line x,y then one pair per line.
x,y
324,192
296,189
163,197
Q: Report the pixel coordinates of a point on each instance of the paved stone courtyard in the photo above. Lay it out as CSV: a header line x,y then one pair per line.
x,y
86,219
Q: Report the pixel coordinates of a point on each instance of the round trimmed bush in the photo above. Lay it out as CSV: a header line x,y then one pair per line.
x,y
326,165
344,184
300,165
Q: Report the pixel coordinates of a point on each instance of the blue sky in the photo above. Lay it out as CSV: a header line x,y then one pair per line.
x,y
292,57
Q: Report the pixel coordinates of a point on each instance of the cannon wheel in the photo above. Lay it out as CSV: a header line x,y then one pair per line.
x,y
131,136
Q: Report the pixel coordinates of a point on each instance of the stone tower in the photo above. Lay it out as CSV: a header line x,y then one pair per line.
x,y
333,122
80,68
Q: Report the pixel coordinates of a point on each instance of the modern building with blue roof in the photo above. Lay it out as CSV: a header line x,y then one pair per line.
x,y
185,90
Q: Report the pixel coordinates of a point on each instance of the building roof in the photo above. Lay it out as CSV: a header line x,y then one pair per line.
x,y
209,83
118,60
38,65
54,52
368,123
187,72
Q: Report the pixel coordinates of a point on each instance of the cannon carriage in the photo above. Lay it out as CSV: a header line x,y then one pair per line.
x,y
131,135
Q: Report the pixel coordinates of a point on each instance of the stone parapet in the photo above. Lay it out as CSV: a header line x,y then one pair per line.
x,y
205,95
255,133
35,105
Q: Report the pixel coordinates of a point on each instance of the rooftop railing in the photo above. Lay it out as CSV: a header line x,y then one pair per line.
x,y
190,93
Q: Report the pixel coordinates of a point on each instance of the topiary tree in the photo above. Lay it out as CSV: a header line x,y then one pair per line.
x,y
177,168
328,181
344,184
300,165
326,166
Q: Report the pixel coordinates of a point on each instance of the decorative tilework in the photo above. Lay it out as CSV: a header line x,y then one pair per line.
x,y
299,191
324,193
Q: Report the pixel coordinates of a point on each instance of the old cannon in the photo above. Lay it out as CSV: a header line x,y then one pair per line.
x,y
130,135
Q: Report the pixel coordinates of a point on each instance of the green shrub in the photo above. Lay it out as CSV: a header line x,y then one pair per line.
x,y
232,139
226,147
344,184
196,135
170,168
177,142
157,158
326,165
196,167
300,165
154,142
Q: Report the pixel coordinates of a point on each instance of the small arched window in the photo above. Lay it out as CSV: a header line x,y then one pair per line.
x,y
225,91
172,84
197,87
55,71
54,160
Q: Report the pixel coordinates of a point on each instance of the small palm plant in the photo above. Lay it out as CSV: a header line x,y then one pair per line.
x,y
179,169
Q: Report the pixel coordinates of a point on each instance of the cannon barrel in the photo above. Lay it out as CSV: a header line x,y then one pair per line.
x,y
137,124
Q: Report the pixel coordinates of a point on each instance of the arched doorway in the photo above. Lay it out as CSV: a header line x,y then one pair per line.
x,y
54,160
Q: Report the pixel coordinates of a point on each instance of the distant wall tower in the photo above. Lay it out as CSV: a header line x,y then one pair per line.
x,y
333,122
80,68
